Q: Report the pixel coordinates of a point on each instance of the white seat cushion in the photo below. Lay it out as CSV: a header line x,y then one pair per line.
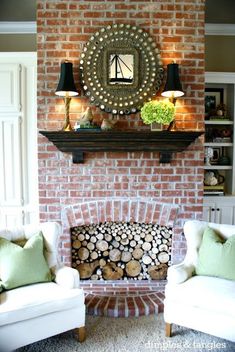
x,y
209,293
34,300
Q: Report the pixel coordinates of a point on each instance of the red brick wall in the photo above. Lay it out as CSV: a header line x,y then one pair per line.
x,y
63,29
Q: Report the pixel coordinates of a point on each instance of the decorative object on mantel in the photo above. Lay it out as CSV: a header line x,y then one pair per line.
x,y
164,142
66,88
86,121
156,126
173,88
108,123
121,69
157,111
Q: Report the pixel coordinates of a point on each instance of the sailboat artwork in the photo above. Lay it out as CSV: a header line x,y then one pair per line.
x,y
121,69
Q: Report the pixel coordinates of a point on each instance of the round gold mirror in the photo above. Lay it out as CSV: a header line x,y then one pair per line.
x,y
120,69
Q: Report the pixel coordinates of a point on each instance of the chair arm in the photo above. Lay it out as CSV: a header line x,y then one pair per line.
x,y
179,273
67,277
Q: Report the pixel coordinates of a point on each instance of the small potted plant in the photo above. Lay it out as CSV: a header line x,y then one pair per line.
x,y
161,112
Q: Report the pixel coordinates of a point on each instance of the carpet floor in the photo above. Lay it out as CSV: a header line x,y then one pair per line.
x,y
143,334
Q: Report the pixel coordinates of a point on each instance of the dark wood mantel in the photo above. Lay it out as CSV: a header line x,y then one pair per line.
x,y
78,143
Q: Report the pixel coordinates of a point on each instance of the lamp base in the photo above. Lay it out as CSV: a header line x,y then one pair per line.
x,y
172,126
67,125
172,99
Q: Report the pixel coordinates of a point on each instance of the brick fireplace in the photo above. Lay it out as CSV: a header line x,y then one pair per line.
x,y
63,29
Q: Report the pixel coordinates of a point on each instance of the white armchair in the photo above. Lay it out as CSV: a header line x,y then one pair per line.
x,y
37,311
202,303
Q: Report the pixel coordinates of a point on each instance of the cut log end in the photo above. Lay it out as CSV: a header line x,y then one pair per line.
x,y
133,268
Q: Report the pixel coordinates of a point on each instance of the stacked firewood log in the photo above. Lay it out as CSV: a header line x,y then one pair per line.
x,y
121,250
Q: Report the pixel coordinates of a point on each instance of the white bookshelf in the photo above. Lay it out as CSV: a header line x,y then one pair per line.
x,y
221,209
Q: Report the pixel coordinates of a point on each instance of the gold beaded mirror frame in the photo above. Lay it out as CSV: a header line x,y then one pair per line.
x,y
121,69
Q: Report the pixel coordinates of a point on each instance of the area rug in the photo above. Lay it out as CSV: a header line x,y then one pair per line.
x,y
143,334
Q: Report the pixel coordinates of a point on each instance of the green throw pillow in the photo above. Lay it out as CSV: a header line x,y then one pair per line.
x,y
22,266
216,256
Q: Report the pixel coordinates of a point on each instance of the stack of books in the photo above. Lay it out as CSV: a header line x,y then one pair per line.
x,y
217,190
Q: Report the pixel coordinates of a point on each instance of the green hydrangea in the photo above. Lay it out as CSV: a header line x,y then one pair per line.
x,y
157,111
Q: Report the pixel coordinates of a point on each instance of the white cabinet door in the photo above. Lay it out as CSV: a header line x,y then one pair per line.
x,y
11,217
209,213
224,214
220,210
10,161
10,87
18,139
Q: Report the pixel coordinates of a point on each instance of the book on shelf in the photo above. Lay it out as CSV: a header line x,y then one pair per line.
x,y
217,190
214,188
213,193
222,140
218,118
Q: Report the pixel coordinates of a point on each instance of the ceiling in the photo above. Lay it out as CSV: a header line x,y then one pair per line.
x,y
220,11
15,10
217,11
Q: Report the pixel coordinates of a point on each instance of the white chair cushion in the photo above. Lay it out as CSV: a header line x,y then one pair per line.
x,y
205,292
34,300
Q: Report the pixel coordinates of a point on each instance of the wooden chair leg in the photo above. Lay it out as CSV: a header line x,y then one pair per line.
x,y
80,334
168,330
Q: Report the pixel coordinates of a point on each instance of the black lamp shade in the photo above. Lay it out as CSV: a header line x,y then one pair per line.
x,y
173,85
66,86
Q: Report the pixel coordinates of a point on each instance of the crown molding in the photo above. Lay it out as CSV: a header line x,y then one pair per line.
x,y
31,27
18,27
219,29
219,77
